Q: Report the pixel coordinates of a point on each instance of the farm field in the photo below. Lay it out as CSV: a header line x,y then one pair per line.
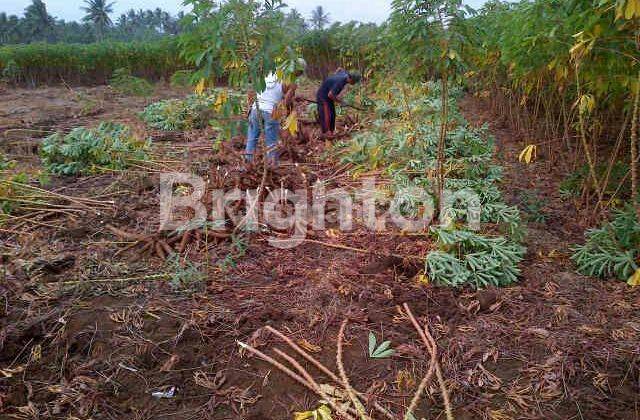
x,y
85,330
243,212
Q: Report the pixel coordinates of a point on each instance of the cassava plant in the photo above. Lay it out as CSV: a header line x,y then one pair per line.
x,y
109,146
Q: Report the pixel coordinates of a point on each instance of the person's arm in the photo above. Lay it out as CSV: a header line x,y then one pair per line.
x,y
289,93
333,97
336,89
251,98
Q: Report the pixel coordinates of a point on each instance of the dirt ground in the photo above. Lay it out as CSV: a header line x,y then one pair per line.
x,y
88,330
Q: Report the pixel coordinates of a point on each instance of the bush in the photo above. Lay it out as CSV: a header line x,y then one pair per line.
x,y
195,111
90,150
612,250
126,84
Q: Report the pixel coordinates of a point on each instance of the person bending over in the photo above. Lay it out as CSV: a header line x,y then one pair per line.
x,y
328,94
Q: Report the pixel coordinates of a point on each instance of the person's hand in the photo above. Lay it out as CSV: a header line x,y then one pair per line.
x,y
251,97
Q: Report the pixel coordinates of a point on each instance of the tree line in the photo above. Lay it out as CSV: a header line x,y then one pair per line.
x,y
37,25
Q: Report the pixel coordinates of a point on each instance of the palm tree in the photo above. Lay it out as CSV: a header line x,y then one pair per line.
x,y
319,18
294,22
97,12
37,21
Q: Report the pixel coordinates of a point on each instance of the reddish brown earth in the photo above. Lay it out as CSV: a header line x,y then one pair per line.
x,y
94,337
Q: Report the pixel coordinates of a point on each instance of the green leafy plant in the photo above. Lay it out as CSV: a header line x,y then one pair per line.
x,y
181,79
612,250
89,150
381,351
238,250
10,72
184,274
126,84
467,257
194,111
39,64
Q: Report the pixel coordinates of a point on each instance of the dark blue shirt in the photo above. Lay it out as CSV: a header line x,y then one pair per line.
x,y
334,83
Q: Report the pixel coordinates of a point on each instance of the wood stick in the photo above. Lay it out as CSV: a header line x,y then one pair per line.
x,y
311,381
428,341
343,375
289,372
323,368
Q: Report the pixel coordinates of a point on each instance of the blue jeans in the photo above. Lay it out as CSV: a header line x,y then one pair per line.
x,y
271,130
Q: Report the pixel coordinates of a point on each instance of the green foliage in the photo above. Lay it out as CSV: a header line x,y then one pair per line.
x,y
381,351
10,72
425,37
404,141
9,190
185,275
181,79
124,83
38,25
40,64
239,40
612,250
573,184
195,111
90,150
6,163
353,46
238,250
470,258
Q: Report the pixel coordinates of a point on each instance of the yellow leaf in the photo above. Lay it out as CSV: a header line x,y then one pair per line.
x,y
586,104
634,280
291,123
423,279
220,101
321,413
631,9
200,87
528,154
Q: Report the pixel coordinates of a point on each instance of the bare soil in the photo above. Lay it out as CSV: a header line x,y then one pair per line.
x,y
87,333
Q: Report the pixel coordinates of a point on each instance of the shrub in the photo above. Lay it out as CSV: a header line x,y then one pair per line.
x,y
612,250
124,83
195,111
89,150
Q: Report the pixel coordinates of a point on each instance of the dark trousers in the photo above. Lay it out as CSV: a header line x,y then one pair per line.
x,y
327,115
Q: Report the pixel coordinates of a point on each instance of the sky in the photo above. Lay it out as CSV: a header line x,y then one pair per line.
x,y
339,10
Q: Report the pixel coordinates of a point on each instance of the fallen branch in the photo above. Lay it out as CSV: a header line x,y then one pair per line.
x,y
430,344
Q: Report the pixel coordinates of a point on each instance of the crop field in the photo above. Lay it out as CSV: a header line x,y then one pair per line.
x,y
466,244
